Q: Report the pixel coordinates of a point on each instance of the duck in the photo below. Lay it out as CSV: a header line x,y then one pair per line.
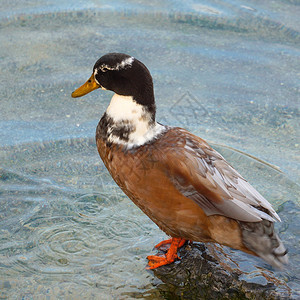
x,y
180,182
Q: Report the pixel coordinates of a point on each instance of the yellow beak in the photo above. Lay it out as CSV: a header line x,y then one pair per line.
x,y
89,86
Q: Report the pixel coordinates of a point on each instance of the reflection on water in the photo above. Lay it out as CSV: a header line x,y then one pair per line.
x,y
223,70
71,227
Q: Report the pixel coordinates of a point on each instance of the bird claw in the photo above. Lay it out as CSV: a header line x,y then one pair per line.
x,y
156,261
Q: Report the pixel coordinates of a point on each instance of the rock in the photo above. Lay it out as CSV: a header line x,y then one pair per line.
x,y
206,272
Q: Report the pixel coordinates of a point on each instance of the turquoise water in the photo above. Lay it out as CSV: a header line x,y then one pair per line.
x,y
227,71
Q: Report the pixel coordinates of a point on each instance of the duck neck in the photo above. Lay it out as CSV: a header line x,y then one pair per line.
x,y
128,123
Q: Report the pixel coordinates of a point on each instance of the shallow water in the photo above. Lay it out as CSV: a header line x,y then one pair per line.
x,y
224,70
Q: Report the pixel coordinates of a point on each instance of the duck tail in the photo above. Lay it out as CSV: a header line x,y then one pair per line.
x,y
261,238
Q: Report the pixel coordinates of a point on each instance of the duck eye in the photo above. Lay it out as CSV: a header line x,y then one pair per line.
x,y
104,69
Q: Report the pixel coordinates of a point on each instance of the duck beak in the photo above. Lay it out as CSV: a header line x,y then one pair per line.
x,y
89,86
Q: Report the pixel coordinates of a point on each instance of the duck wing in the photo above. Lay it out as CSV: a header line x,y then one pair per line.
x,y
202,174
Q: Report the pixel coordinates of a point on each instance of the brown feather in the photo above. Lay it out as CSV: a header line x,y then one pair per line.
x,y
150,175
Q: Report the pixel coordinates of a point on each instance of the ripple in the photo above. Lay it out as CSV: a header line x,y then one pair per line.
x,y
92,205
232,19
58,249
63,240
88,205
121,227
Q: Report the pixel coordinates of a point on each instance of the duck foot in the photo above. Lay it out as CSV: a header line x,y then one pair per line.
x,y
156,261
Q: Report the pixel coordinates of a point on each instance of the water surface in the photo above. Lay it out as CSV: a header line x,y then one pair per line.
x,y
227,71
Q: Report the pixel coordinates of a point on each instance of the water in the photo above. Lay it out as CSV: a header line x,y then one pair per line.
x,y
224,70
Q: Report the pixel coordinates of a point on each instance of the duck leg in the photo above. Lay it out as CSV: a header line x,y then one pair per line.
x,y
156,261
168,242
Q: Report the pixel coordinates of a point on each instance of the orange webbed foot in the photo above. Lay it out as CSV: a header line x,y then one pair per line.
x,y
156,261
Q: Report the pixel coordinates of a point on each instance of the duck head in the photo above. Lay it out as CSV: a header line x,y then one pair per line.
x,y
124,75
131,112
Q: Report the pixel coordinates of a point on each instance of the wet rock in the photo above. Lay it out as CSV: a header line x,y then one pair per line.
x,y
207,272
